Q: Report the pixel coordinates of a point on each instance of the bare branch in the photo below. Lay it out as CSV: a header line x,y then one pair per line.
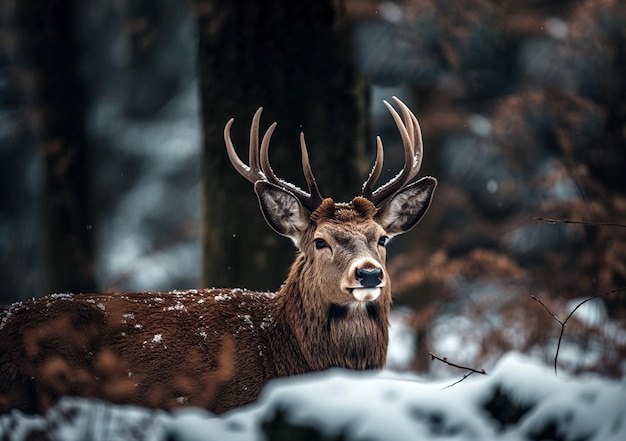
x,y
608,293
445,360
458,381
564,322
568,221
547,309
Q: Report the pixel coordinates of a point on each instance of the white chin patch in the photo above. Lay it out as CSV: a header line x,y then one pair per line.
x,y
366,294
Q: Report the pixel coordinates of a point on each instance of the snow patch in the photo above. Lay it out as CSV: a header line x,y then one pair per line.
x,y
266,322
62,296
177,307
518,401
246,319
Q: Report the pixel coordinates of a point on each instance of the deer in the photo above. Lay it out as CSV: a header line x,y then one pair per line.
x,y
217,348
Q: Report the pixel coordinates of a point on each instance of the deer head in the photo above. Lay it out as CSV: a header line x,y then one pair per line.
x,y
343,243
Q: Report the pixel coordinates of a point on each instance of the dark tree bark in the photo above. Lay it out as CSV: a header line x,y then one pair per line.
x,y
152,26
295,59
47,69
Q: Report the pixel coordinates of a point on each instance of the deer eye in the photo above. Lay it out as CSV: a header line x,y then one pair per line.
x,y
320,243
383,241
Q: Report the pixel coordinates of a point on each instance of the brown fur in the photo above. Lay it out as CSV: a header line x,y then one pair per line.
x,y
359,208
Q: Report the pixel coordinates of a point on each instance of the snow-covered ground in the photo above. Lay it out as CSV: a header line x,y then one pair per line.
x,y
519,400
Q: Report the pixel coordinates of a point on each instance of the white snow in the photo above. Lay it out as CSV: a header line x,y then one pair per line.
x,y
177,307
375,406
247,319
62,296
266,322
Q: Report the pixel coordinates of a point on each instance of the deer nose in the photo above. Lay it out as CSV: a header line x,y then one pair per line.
x,y
369,278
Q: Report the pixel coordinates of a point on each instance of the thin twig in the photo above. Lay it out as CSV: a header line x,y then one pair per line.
x,y
564,323
471,370
608,293
445,360
568,221
458,381
548,309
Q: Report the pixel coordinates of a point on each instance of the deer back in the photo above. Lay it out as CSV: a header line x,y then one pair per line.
x,y
207,348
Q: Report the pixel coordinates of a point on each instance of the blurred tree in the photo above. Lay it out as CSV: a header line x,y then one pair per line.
x,y
530,119
20,260
153,27
45,69
295,59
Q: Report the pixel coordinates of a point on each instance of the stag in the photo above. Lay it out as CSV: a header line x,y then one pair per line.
x,y
217,348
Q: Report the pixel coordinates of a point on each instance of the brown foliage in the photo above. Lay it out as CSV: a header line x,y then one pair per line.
x,y
555,223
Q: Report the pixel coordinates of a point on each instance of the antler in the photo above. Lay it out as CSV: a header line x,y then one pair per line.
x,y
260,168
413,150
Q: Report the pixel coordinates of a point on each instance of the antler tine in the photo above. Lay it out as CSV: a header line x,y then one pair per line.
x,y
316,196
265,157
253,149
376,170
310,201
412,141
252,173
415,132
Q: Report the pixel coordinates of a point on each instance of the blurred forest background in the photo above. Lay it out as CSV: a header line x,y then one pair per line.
x,y
114,176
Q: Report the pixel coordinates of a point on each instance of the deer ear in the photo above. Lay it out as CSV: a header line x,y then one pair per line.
x,y
282,210
404,209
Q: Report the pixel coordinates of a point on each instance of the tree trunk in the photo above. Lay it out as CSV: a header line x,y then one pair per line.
x,y
54,108
295,59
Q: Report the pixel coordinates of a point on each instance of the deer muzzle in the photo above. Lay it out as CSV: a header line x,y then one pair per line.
x,y
365,280
369,278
